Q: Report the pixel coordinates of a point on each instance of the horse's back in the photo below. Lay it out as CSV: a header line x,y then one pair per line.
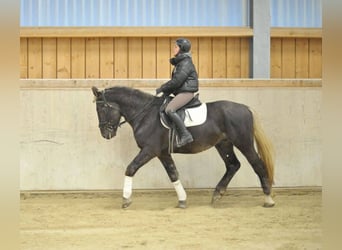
x,y
228,108
234,119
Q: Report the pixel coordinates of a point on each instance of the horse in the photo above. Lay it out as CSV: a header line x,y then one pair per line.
x,y
228,125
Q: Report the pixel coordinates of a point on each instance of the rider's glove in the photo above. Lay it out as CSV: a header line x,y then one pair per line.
x,y
158,90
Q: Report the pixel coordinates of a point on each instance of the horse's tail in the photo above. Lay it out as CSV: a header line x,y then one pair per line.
x,y
264,147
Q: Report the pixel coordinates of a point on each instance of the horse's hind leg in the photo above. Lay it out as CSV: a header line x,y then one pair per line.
x,y
226,152
260,169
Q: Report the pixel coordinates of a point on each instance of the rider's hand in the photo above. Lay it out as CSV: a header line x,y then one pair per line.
x,y
158,91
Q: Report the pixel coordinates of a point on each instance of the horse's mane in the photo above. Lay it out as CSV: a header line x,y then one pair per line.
x,y
136,96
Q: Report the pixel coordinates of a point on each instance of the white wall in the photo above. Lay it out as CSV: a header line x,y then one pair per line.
x,y
62,149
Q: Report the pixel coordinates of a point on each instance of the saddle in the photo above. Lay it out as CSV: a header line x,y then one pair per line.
x,y
182,112
193,113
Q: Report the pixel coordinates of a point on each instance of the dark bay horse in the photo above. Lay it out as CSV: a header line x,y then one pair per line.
x,y
228,124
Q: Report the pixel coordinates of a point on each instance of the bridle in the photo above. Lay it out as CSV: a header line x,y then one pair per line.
x,y
108,125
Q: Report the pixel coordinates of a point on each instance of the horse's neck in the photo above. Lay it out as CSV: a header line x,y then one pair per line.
x,y
133,105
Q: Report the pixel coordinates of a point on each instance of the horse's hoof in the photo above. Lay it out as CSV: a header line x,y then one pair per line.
x,y
217,195
126,203
269,205
215,198
181,204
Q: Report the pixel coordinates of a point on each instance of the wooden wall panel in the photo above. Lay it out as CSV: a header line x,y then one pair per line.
x,y
296,58
195,51
245,61
219,59
135,67
288,58
134,56
121,57
78,58
92,58
315,58
149,57
106,57
63,58
49,58
34,57
205,69
302,58
276,57
23,58
163,56
233,57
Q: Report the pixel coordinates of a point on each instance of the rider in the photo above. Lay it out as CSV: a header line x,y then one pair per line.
x,y
183,84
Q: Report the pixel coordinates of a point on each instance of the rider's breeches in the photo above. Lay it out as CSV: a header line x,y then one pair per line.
x,y
179,101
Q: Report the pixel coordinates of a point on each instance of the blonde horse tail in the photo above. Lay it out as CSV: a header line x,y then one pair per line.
x,y
264,148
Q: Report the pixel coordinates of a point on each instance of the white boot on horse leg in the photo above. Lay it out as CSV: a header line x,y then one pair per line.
x,y
180,193
127,192
269,202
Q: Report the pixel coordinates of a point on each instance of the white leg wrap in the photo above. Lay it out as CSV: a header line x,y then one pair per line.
x,y
180,190
127,189
269,200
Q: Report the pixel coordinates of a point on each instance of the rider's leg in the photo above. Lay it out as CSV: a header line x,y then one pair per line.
x,y
177,102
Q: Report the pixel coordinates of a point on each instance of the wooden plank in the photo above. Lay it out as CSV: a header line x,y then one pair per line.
x,y
92,58
288,58
205,57
49,58
195,52
63,57
106,57
78,58
135,57
302,58
171,55
244,62
51,84
219,58
136,32
276,57
23,58
149,57
163,56
315,58
34,58
121,57
233,57
296,32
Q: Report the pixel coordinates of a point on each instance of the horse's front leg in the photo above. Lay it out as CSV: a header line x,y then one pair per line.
x,y
172,172
142,158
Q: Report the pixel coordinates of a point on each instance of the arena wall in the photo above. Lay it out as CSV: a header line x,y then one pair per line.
x,y
62,149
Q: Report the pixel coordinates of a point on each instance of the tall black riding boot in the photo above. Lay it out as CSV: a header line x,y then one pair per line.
x,y
185,136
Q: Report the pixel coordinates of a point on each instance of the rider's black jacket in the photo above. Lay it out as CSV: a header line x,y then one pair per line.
x,y
184,76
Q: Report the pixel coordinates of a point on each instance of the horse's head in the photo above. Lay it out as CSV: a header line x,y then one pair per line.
x,y
108,114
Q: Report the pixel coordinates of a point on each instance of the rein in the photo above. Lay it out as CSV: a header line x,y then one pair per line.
x,y
147,105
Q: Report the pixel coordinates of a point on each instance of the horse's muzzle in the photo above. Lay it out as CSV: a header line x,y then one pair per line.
x,y
108,135
108,132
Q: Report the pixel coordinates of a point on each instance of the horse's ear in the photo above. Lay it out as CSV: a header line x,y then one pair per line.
x,y
96,92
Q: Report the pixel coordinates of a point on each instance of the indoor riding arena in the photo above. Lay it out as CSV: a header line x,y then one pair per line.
x,y
265,54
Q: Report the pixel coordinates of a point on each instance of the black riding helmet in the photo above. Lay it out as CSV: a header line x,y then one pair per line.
x,y
184,45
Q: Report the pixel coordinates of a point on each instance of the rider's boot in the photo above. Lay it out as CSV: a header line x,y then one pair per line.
x,y
185,136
